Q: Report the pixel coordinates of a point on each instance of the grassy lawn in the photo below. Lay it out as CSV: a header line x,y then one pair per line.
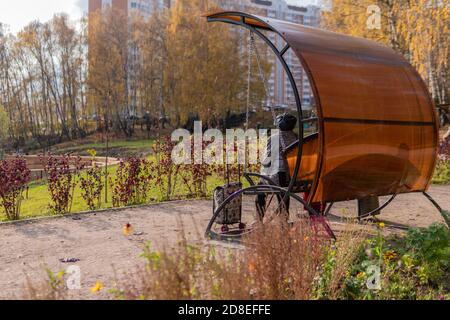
x,y
117,148
36,202
442,173
37,199
130,144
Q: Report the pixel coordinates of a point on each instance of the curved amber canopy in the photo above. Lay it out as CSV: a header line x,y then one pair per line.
x,y
378,131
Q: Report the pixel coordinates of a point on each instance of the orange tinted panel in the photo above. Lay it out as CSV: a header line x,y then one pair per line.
x,y
308,165
378,128
373,159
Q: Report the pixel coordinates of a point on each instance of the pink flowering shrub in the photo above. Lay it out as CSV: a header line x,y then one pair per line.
x,y
62,175
14,177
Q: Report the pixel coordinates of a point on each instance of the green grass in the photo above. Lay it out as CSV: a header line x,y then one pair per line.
x,y
37,200
118,148
129,144
442,173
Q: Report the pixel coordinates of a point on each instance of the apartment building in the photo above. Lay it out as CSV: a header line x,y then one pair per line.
x,y
145,7
280,88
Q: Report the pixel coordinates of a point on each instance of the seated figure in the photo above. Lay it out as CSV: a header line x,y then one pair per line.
x,y
275,166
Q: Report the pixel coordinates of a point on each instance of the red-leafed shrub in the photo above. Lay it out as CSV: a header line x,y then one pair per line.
x,y
195,175
14,177
444,149
167,172
442,171
62,174
133,180
91,186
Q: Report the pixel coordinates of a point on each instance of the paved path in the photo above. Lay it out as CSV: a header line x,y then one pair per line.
x,y
105,253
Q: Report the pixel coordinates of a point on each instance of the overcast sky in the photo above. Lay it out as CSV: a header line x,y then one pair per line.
x,y
18,13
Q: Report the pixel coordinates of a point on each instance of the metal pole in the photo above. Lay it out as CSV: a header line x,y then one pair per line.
x,y
107,155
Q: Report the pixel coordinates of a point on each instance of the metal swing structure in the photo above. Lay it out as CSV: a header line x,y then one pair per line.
x,y
377,126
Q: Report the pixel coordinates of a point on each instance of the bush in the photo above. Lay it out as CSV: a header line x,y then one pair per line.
x,y
167,172
91,186
444,148
415,266
277,262
194,176
133,180
14,177
62,174
430,248
442,172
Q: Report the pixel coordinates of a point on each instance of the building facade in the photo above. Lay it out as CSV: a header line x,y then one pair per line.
x,y
144,7
280,90
281,93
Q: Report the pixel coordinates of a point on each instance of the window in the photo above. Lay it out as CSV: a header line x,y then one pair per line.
x,y
106,3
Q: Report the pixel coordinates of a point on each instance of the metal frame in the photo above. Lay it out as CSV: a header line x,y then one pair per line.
x,y
373,212
280,57
272,187
210,234
445,214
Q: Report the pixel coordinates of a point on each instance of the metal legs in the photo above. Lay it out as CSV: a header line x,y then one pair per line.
x,y
444,213
368,204
375,211
268,189
315,216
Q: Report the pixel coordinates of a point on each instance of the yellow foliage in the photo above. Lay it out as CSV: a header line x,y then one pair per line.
x,y
418,29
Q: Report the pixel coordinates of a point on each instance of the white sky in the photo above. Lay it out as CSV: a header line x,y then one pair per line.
x,y
18,13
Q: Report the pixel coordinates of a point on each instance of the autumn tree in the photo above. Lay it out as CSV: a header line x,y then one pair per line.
x,y
109,68
418,29
206,72
149,39
62,80
43,82
4,126
425,26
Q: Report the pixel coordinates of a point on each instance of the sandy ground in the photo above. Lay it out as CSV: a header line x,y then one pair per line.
x,y
105,254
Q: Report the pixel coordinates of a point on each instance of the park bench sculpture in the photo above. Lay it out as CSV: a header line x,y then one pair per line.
x,y
377,126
